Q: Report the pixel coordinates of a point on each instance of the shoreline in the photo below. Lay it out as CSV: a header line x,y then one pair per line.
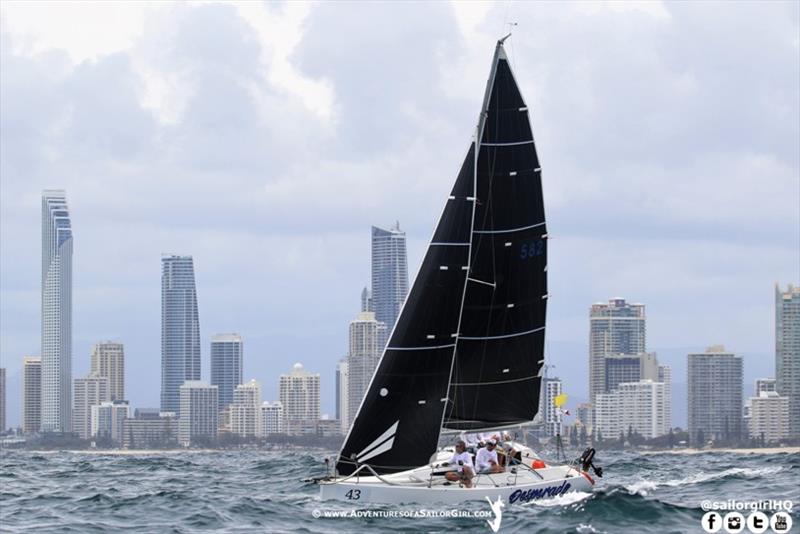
x,y
765,450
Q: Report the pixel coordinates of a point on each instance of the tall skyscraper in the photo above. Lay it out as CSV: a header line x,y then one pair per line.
x,y
714,395
56,313
31,394
787,352
90,391
389,276
362,358
108,360
180,329
299,396
226,366
245,410
199,419
615,328
2,399
639,406
342,396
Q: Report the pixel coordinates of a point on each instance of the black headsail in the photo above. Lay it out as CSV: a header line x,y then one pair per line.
x,y
459,354
495,380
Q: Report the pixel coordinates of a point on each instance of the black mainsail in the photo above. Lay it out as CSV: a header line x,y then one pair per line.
x,y
467,349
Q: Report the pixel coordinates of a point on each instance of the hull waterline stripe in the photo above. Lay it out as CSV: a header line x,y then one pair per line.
x,y
509,230
504,336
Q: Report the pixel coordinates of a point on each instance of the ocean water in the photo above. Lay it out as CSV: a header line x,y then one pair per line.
x,y
263,491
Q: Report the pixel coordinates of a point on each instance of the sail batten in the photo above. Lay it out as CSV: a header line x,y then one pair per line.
x,y
466,350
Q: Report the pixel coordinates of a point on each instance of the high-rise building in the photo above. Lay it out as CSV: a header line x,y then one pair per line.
x,y
342,395
362,359
366,300
92,390
108,360
389,276
108,419
180,329
56,313
714,395
226,365
665,377
615,328
31,394
769,417
199,417
245,411
551,388
299,396
787,352
584,414
2,399
621,368
639,406
150,430
764,385
272,417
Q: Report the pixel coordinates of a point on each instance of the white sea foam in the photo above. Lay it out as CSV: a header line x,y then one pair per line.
x,y
563,500
642,487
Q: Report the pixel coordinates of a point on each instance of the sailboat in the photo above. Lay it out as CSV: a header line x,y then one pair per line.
x,y
467,351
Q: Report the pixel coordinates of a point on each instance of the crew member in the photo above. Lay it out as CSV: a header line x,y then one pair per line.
x,y
486,459
463,460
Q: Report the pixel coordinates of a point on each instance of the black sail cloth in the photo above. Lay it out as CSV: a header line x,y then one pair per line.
x,y
468,346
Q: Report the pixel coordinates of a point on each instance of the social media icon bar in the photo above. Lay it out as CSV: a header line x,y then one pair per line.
x,y
757,522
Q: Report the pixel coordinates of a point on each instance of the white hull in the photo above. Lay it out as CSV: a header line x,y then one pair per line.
x,y
418,486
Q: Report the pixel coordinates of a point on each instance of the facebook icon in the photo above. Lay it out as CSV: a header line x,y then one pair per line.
x,y
711,522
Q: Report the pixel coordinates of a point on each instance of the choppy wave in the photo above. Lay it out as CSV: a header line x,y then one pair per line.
x,y
263,491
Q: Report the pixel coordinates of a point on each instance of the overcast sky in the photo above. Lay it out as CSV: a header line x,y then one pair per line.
x,y
265,139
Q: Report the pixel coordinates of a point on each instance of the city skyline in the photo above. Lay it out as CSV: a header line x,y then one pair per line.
x,y
286,241
104,353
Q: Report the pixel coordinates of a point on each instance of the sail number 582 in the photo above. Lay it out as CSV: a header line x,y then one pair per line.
x,y
531,249
353,494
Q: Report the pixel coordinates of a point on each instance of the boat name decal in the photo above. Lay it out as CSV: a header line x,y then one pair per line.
x,y
538,493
